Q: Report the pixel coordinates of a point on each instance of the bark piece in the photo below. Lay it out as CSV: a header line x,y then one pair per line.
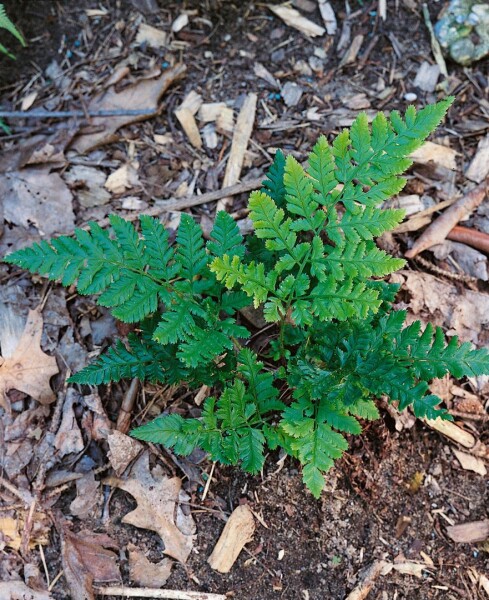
x,y
241,137
469,533
237,532
209,111
329,18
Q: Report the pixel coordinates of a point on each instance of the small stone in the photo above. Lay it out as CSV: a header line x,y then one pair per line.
x,y
410,97
291,93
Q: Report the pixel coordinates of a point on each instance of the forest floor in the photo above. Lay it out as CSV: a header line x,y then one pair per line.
x,y
389,501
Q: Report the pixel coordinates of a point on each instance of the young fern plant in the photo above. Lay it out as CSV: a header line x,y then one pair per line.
x,y
313,267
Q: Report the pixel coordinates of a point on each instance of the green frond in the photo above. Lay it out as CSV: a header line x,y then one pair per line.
x,y
225,237
191,254
274,182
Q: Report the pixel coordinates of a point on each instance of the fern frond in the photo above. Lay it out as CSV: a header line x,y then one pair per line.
x,y
274,182
191,254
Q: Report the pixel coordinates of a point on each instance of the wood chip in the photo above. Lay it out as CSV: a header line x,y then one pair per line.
x,y
427,77
155,38
179,23
293,18
351,54
263,73
470,463
241,137
468,533
440,155
329,18
452,431
192,102
210,136
237,532
187,121
291,93
209,111
225,120
479,166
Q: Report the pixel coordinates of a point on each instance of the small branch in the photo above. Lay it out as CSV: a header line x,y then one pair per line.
x,y
182,203
471,237
125,411
126,592
66,114
439,229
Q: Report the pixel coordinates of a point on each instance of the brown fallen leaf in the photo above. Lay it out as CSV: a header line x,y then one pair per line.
x,y
468,533
146,573
123,178
36,196
69,439
237,532
158,510
29,369
86,561
122,451
17,590
141,95
88,495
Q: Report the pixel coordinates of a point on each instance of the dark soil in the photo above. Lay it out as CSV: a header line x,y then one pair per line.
x,y
372,491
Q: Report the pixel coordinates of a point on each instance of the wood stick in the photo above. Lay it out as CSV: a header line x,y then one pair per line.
x,y
182,203
471,237
66,114
439,229
241,137
127,592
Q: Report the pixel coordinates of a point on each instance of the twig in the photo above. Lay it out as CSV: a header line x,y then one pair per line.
x,y
471,237
24,495
435,46
157,593
208,482
66,114
124,417
439,229
182,203
443,272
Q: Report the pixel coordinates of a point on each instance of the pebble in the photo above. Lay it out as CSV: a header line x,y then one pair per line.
x,y
410,97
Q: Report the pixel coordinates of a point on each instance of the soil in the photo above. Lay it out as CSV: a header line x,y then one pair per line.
x,y
392,496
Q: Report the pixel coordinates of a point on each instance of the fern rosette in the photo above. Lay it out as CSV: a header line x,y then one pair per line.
x,y
312,266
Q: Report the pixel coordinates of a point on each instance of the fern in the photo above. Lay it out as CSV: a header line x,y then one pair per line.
x,y
6,23
312,266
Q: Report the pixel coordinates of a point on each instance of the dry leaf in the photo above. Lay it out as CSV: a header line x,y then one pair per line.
x,y
86,561
69,438
29,369
157,498
479,165
17,590
143,95
237,532
89,185
88,495
293,18
145,573
410,568
122,451
470,463
440,155
11,528
124,178
36,196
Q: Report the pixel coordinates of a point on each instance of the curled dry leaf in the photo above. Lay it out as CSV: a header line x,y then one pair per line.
x,y
86,561
29,369
141,95
158,510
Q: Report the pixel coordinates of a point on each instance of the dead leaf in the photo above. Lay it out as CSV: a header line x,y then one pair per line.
x,y
141,95
478,169
237,532
11,529
17,590
124,178
29,369
465,314
468,533
88,495
158,510
88,184
69,438
36,196
440,155
122,451
410,568
470,463
145,573
86,561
